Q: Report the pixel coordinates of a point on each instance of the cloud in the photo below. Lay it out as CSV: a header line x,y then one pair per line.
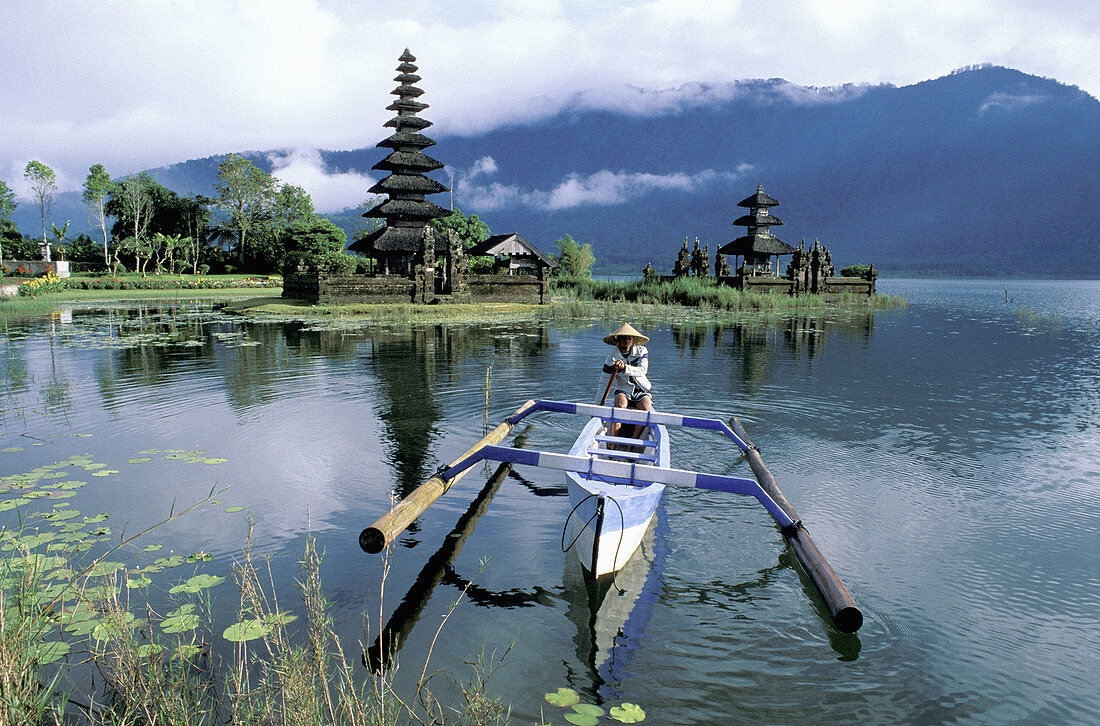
x,y
134,84
331,191
603,188
1009,101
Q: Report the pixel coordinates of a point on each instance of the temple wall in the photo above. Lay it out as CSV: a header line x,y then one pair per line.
x,y
508,288
37,267
326,288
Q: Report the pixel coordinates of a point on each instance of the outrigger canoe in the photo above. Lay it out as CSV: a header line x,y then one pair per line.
x,y
610,515
615,491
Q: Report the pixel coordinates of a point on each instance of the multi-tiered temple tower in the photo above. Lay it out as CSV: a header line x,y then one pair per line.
x,y
400,244
758,245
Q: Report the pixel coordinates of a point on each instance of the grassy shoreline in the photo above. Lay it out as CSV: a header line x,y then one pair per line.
x,y
686,300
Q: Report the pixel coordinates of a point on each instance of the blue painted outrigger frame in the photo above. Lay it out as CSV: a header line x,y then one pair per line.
x,y
624,472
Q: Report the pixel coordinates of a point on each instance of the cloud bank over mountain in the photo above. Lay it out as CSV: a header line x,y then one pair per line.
x,y
136,85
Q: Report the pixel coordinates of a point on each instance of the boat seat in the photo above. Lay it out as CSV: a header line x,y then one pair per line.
x,y
624,440
615,453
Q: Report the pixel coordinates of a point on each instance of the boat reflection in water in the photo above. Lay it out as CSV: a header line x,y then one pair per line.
x,y
611,612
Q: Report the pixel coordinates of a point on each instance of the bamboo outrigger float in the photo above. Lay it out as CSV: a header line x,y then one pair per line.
x,y
629,473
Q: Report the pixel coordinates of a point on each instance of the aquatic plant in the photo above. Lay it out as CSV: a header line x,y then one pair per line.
x,y
150,645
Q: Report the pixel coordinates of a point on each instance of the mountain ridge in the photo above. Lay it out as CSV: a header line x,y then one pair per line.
x,y
985,171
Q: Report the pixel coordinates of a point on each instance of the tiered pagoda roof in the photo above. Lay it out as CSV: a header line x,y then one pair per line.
x,y
406,211
758,241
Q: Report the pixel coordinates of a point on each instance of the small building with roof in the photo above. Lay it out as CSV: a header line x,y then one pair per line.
x,y
513,255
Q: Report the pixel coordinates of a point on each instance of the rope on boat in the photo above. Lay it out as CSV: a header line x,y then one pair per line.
x,y
618,545
565,527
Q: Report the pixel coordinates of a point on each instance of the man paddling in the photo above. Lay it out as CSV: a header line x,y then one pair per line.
x,y
626,373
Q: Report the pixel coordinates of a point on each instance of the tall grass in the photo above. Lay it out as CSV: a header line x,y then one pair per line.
x,y
704,293
275,676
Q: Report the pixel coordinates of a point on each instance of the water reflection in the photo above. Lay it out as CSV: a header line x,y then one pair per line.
x,y
934,452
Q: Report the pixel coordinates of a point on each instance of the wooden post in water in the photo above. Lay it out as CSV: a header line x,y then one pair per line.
x,y
846,616
380,654
374,538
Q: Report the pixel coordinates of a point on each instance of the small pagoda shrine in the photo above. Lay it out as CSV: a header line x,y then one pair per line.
x,y
399,245
757,246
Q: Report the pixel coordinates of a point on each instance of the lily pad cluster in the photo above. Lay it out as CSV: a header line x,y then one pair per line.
x,y
48,572
587,714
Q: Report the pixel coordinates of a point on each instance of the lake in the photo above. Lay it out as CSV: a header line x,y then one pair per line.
x,y
945,458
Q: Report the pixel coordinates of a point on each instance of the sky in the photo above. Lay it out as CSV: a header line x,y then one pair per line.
x,y
137,84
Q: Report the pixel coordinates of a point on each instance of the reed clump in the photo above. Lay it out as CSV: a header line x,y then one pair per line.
x,y
141,674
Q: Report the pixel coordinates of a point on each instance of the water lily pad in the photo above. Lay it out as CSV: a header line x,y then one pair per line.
x,y
187,651
246,630
581,719
234,509
153,547
564,697
181,620
11,449
97,518
139,460
115,625
9,504
170,561
92,467
200,557
148,650
149,451
82,625
628,713
214,461
133,583
101,569
71,484
184,455
105,472
62,495
197,583
49,651
82,436
61,514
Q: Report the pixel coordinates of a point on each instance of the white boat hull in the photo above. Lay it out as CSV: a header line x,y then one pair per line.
x,y
610,518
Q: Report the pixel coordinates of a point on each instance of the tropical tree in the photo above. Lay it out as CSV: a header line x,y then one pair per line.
x,y
197,225
319,244
245,195
61,234
165,247
135,210
471,231
97,190
7,206
291,204
43,183
575,259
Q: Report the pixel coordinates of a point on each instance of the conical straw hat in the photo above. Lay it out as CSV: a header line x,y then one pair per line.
x,y
626,329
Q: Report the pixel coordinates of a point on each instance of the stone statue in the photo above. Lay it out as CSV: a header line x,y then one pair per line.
x,y
721,265
683,261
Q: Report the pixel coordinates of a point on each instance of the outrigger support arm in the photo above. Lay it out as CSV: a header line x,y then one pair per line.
x,y
624,472
631,415
374,538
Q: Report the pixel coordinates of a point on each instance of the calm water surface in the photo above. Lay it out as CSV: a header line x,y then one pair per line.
x,y
946,459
